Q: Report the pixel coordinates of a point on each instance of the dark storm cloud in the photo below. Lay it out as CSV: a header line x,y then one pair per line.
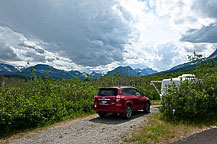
x,y
35,57
89,33
206,8
41,51
7,54
207,34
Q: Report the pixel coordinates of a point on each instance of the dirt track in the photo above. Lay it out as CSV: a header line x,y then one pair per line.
x,y
91,129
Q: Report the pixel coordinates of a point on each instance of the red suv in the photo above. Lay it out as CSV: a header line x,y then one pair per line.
x,y
120,100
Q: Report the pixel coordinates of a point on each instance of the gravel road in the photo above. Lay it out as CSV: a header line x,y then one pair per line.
x,y
91,129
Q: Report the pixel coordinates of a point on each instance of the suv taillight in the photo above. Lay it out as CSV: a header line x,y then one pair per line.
x,y
118,98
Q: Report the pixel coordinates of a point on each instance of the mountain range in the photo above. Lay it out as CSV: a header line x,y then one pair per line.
x,y
43,70
128,71
193,63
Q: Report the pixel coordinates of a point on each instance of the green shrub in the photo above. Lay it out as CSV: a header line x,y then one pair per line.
x,y
40,102
193,101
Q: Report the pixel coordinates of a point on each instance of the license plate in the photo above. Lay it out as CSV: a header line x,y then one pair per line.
x,y
104,102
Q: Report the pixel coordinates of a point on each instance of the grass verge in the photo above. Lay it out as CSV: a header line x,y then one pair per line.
x,y
155,102
157,130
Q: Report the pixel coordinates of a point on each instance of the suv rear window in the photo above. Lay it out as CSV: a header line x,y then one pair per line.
x,y
107,92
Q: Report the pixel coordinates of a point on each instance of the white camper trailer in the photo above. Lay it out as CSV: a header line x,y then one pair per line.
x,y
176,81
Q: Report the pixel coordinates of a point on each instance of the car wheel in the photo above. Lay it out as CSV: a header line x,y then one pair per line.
x,y
128,112
101,114
147,108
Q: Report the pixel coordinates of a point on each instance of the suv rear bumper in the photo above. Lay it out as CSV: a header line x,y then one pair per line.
x,y
115,108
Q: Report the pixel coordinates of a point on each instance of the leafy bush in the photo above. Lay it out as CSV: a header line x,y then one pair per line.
x,y
40,102
193,101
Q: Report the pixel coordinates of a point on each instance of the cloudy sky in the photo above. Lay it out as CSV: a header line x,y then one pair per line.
x,y
100,35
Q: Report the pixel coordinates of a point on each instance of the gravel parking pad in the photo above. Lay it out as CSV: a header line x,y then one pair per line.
x,y
92,129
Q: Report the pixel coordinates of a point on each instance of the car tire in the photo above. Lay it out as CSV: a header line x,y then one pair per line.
x,y
147,108
128,112
101,114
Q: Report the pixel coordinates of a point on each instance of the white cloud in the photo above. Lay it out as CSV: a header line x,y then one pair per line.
x,y
100,35
181,15
159,29
208,32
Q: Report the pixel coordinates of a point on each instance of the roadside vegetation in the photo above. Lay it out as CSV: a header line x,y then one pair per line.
x,y
159,130
155,102
186,109
27,103
193,100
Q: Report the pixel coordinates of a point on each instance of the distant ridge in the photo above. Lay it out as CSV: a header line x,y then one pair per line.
x,y
7,68
128,71
213,55
192,64
46,70
40,70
